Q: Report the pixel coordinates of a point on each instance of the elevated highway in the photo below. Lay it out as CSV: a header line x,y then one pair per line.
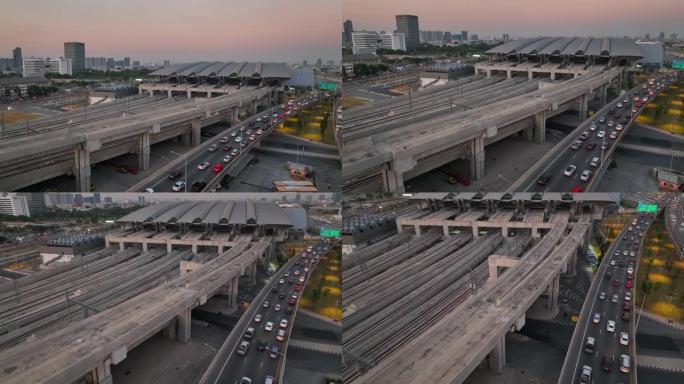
x,y
98,341
383,158
606,120
444,297
674,219
610,282
57,148
229,367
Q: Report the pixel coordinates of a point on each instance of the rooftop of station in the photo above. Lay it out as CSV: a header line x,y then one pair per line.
x,y
570,46
225,69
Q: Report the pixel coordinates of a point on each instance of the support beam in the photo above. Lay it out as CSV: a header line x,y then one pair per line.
x,y
583,107
169,331
497,357
394,180
184,325
102,373
445,228
196,132
169,94
122,246
417,229
144,150
144,246
540,127
604,94
169,248
477,158
82,168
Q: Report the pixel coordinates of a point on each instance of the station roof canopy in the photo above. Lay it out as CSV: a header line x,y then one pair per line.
x,y
606,197
226,69
210,212
573,46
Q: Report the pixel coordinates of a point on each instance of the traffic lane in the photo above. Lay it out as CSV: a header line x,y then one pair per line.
x,y
216,157
257,364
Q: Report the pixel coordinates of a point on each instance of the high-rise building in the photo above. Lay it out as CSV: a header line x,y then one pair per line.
x,y
76,52
127,62
474,37
661,36
506,37
319,62
18,60
673,36
34,67
447,37
408,25
330,63
167,63
395,41
35,202
347,29
464,35
13,205
647,36
62,66
305,63
365,41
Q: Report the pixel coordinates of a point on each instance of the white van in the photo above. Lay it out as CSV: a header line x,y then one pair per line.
x,y
595,161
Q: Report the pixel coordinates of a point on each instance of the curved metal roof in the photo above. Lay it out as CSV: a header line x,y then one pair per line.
x,y
171,69
194,69
226,69
575,46
173,214
213,69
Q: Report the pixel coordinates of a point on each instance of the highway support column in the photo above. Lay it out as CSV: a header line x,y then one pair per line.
x,y
393,180
540,127
497,357
196,131
184,325
583,107
604,94
144,150
102,373
477,157
233,291
82,168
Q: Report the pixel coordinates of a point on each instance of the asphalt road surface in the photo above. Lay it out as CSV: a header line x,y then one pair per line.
x,y
589,148
255,364
612,286
674,217
165,184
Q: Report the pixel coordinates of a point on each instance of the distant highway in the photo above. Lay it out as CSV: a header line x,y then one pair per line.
x,y
674,217
266,120
256,364
593,146
610,298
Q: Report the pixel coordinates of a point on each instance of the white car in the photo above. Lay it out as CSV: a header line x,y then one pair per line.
x,y
203,165
610,327
628,296
276,307
281,281
257,318
586,174
269,326
259,131
238,139
213,147
612,263
570,170
281,335
283,323
624,338
178,186
227,158
601,133
597,318
618,127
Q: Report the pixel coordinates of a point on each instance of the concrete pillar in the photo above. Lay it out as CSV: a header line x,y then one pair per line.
x,y
232,300
140,91
417,229
553,75
254,107
220,249
509,74
476,231
604,94
194,248
144,150
530,75
169,331
151,92
540,127
534,231
208,95
235,113
583,107
169,248
82,169
445,228
477,157
122,246
189,94
184,325
252,271
169,94
528,133
107,244
102,373
394,180
196,131
144,246
186,138
489,73
497,357
504,231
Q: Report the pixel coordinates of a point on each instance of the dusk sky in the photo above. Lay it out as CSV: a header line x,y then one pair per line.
x,y
524,17
179,30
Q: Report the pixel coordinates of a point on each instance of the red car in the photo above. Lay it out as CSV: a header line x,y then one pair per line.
x,y
628,284
576,189
297,288
218,168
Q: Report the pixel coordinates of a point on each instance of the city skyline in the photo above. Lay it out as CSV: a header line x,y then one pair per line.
x,y
277,30
496,17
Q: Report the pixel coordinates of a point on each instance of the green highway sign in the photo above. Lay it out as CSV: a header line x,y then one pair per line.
x,y
329,232
327,86
647,207
677,64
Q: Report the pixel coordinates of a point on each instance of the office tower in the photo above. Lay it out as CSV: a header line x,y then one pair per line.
x,y
16,55
348,28
408,25
76,52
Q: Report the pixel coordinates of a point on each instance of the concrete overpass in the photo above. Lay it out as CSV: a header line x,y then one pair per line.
x,y
93,344
67,150
386,158
415,304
